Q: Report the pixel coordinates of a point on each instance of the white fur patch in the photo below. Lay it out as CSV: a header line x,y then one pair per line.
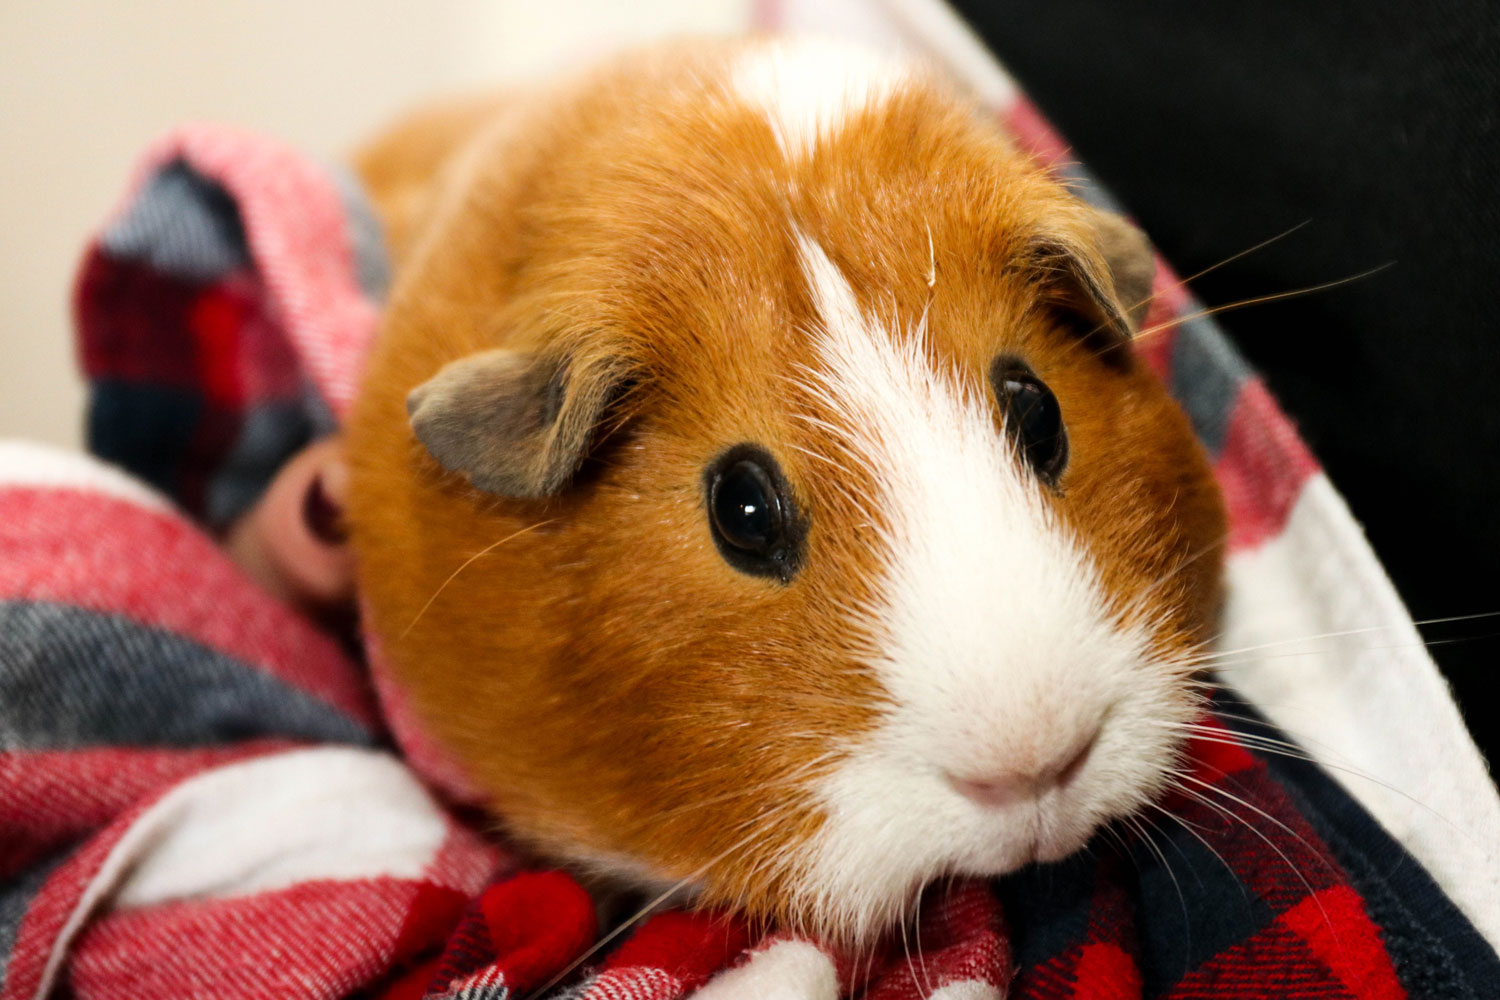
x,y
993,637
808,88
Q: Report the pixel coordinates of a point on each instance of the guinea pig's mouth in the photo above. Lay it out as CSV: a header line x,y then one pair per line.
x,y
894,824
1032,834
869,864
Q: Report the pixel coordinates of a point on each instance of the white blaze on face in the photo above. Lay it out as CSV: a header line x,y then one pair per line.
x,y
990,630
808,87
991,633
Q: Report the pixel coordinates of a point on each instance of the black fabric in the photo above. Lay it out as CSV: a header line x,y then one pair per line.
x,y
1377,123
1437,953
1187,884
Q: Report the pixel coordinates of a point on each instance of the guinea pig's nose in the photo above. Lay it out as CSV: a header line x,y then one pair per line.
x,y
1007,786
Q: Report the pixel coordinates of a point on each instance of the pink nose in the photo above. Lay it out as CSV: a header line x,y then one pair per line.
x,y
1006,787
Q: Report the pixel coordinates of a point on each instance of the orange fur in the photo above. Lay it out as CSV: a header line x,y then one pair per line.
x,y
612,685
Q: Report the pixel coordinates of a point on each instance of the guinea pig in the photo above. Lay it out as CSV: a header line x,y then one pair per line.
x,y
755,489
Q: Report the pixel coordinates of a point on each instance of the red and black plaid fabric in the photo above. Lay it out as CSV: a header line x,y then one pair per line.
x,y
147,691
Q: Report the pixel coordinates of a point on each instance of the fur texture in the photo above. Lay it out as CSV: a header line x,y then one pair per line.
x,y
807,250
990,634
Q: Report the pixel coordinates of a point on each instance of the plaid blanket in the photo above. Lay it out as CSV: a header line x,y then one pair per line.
x,y
201,794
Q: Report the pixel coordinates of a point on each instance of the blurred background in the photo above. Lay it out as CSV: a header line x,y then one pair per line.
x,y
84,86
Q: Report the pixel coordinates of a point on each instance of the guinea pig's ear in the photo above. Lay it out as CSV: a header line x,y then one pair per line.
x,y
1100,269
515,423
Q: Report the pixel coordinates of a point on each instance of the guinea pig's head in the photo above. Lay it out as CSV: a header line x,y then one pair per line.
x,y
755,487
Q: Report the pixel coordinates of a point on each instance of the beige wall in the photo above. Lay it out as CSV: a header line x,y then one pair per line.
x,y
84,85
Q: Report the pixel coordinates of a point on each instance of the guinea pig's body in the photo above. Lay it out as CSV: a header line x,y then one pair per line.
x,y
753,484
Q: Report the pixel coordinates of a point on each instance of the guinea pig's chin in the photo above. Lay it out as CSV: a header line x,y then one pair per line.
x,y
876,851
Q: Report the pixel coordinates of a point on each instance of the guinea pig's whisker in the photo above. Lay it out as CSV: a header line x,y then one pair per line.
x,y
1269,297
914,904
1224,736
1193,830
1250,661
646,910
1299,740
1184,282
1230,796
1280,748
1290,750
917,933
1150,331
780,860
1116,839
1210,269
466,563
1184,563
1225,811
1217,654
1136,823
1235,818
784,860
1156,828
785,781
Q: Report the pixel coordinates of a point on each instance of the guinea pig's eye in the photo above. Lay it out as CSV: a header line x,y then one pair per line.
x,y
1032,418
752,515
